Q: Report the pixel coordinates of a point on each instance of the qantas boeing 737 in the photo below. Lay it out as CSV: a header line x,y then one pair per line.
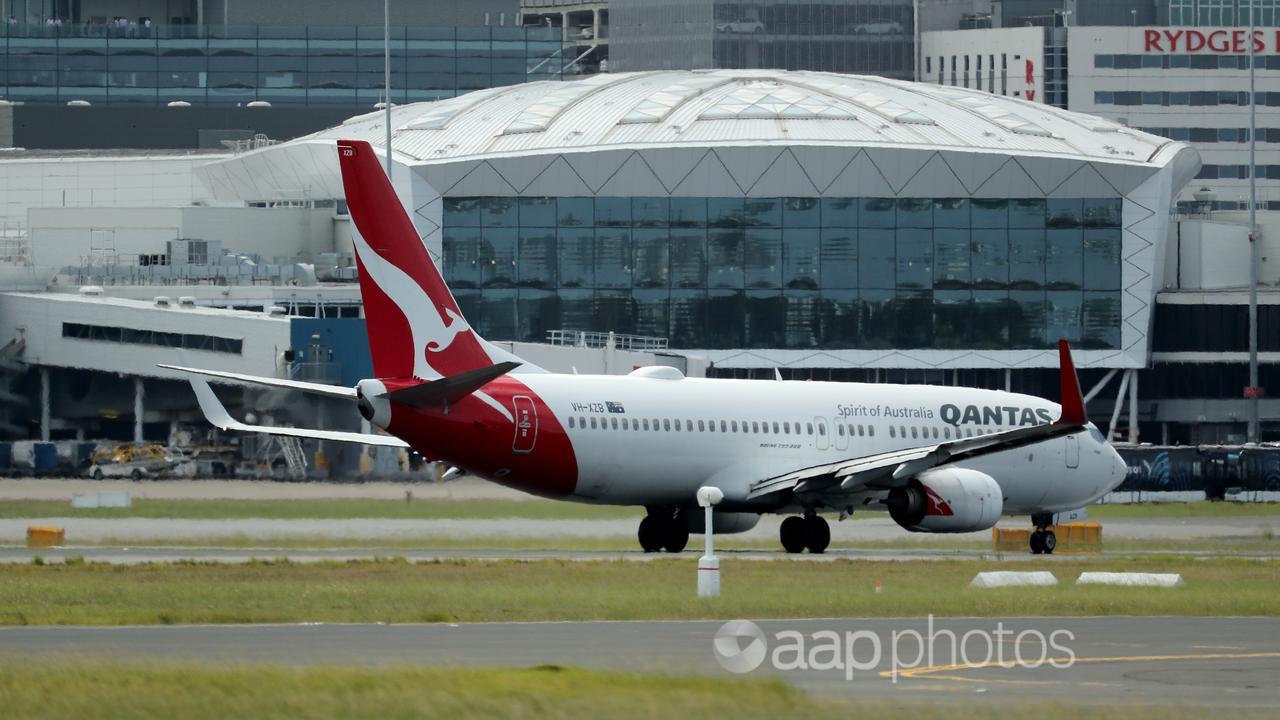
x,y
938,459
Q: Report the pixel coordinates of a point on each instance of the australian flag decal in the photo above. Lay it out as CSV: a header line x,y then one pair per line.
x,y
614,407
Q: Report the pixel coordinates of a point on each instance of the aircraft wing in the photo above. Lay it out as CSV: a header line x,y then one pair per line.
x,y
217,415
896,467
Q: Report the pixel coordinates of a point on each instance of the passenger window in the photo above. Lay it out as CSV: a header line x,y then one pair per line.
x,y
688,425
891,432
744,427
840,430
614,423
860,431
946,433
666,425
570,422
935,433
809,427
871,431
786,428
755,427
593,423
656,425
646,423
903,430
775,428
913,434
734,425
723,425
822,429
701,426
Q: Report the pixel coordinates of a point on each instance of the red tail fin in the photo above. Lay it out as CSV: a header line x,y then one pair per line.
x,y
414,324
1072,401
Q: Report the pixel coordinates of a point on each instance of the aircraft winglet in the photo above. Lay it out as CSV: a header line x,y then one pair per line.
x,y
1072,400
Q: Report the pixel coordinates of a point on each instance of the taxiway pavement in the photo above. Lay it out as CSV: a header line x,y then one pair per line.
x,y
1218,662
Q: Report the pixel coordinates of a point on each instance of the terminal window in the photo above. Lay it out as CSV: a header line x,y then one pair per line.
x,y
797,272
135,336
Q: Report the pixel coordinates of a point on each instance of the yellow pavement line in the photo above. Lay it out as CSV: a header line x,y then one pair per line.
x,y
932,670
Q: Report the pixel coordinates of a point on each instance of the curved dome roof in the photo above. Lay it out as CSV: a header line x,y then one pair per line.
x,y
735,107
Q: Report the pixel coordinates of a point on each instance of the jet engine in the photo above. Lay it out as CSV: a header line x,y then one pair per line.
x,y
723,523
947,500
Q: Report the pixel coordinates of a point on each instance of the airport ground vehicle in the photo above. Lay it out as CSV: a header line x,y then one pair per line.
x,y
938,459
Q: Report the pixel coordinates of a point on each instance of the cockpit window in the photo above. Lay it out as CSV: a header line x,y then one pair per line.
x,y
1096,434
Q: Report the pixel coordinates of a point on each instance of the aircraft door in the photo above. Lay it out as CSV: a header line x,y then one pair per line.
x,y
841,439
820,440
526,431
1073,451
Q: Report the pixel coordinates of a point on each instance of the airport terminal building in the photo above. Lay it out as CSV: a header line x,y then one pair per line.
x,y
819,223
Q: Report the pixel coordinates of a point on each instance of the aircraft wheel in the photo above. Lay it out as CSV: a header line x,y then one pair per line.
x,y
817,534
675,534
792,533
97,474
1049,542
650,534
136,475
1037,542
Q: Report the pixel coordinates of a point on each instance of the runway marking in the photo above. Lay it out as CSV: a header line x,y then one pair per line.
x,y
933,671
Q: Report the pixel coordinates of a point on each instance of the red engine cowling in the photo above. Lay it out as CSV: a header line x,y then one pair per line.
x,y
947,500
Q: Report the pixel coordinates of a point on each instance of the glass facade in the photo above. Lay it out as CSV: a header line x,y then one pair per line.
x,y
795,272
1224,12
300,65
860,37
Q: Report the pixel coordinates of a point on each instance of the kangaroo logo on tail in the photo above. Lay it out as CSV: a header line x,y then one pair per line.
x,y
450,329
415,326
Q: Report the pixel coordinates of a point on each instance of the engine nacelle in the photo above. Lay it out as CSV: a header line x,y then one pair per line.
x,y
723,523
377,410
947,500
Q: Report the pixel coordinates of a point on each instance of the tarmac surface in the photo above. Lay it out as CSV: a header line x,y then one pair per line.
x,y
1220,662
140,555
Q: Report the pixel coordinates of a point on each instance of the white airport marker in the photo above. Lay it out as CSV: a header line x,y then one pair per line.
x,y
1006,578
709,564
1130,579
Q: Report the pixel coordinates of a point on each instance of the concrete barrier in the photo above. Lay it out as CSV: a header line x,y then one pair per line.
x,y
101,500
1130,579
1007,578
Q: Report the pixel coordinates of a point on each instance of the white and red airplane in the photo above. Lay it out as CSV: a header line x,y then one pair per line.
x,y
939,459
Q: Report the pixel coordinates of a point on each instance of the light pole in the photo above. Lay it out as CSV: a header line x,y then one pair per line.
x,y
1254,391
386,74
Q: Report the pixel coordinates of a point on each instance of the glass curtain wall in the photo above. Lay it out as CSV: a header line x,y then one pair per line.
x,y
795,272
300,65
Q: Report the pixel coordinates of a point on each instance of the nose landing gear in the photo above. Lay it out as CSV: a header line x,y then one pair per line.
x,y
1043,541
810,531
663,529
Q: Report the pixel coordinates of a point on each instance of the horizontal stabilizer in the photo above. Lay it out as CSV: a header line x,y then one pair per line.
x,y
217,415
242,379
448,390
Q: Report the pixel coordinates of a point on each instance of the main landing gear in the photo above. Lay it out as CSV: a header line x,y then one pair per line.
x,y
1043,540
663,529
810,531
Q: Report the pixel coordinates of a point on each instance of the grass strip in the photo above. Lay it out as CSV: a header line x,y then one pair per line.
x,y
98,691
395,590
